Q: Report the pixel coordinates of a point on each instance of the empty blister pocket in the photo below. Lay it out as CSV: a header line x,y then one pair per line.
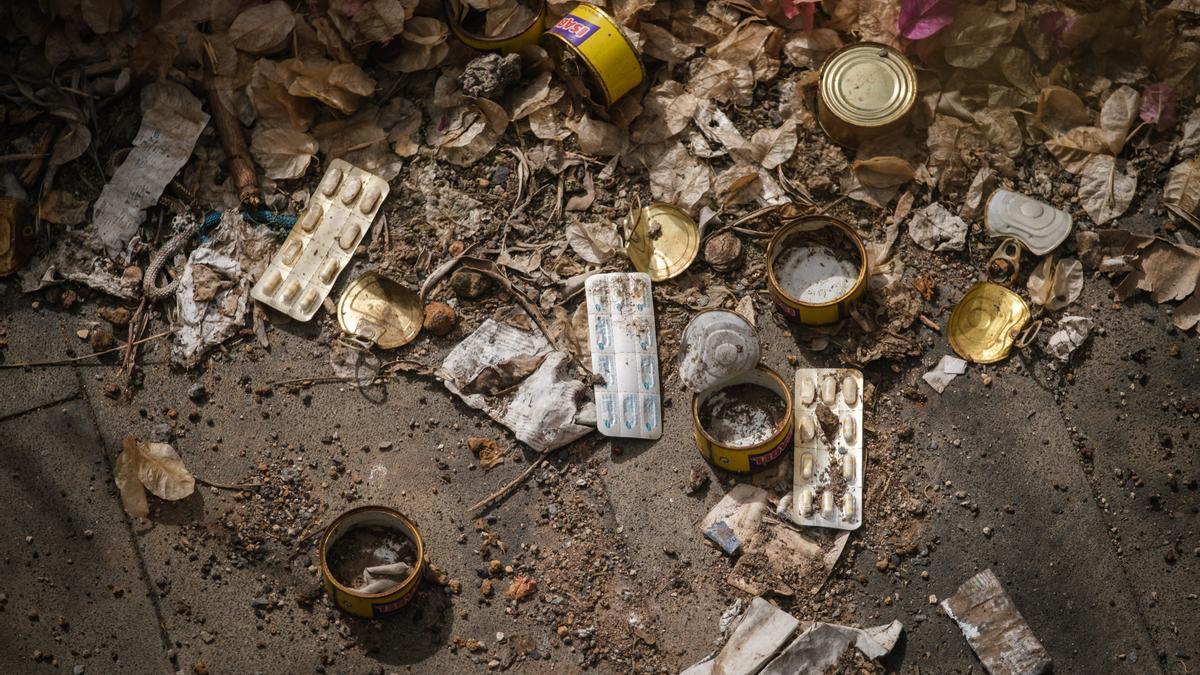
x,y
621,337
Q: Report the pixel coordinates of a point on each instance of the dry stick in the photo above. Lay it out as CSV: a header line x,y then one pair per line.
x,y
232,141
499,494
67,362
227,486
102,68
23,156
141,319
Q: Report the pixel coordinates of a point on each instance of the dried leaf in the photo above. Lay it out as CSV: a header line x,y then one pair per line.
x,y
666,111
1117,116
597,137
401,119
920,19
1170,272
534,96
663,45
1059,110
1181,193
1104,192
1077,147
377,20
268,93
162,472
102,16
263,29
738,184
423,45
883,172
594,242
772,147
680,179
502,376
977,33
489,452
340,86
282,153
1158,105
63,208
1054,286
133,495
804,50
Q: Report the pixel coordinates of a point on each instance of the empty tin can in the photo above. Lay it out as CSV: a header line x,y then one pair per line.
x,y
371,605
867,90
16,234
816,267
611,61
458,12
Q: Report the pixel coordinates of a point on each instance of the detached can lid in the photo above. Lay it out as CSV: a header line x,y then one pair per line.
x,y
380,310
1034,223
985,324
717,346
661,240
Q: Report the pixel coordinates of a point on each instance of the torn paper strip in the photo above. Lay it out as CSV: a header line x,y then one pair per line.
x,y
946,370
935,228
762,631
995,629
1072,333
171,122
76,255
820,645
542,411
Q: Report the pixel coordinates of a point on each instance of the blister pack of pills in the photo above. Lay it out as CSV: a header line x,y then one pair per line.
x,y
322,242
624,355
827,484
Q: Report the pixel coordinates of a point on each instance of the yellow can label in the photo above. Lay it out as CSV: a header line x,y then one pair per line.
x,y
599,41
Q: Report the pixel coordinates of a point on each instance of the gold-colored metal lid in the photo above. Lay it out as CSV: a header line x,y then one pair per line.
x,y
661,240
380,310
985,323
868,84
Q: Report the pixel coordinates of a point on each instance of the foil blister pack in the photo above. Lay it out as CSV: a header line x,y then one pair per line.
x,y
624,355
827,483
321,244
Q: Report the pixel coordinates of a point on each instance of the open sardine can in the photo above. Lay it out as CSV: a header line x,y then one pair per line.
x,y
741,410
591,49
371,605
816,267
469,26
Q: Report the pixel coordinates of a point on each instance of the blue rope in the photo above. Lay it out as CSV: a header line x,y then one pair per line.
x,y
280,222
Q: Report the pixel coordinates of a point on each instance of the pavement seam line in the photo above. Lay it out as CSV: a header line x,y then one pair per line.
x,y
133,538
39,408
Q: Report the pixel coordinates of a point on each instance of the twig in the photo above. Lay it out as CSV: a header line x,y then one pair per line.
x,y
930,323
226,486
502,492
229,129
23,156
67,362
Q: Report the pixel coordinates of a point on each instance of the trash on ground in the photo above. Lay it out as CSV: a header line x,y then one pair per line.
x,y
936,228
827,483
661,240
760,634
995,628
986,322
778,560
593,49
172,120
323,240
1037,225
1169,272
744,424
380,311
528,390
1072,333
490,454
734,520
16,234
716,345
816,267
944,372
150,466
78,256
505,28
867,90
624,355
1055,285
372,561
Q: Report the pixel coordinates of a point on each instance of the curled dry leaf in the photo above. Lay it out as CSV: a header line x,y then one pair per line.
x,y
467,133
401,119
1054,286
423,45
597,137
133,495
1059,110
1117,116
594,242
1077,147
738,184
977,33
663,45
263,29
805,50
489,452
282,153
1158,106
340,86
150,466
680,179
920,19
372,20
883,172
666,111
268,94
538,94
772,147
1104,191
1181,193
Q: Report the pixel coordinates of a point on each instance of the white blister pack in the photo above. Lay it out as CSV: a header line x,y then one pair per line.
x,y
827,484
319,247
624,355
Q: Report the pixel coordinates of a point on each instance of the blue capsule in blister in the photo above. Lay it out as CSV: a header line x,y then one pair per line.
x,y
607,406
650,409
647,367
602,333
629,411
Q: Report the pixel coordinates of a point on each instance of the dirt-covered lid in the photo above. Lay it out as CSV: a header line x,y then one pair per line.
x,y
717,345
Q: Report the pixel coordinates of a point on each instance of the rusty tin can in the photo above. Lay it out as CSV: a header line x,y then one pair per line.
x,y
592,36
456,13
371,605
867,90
720,350
808,280
16,235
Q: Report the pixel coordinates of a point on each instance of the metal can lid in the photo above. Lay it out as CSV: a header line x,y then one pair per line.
x,y
985,323
661,240
1036,224
868,84
717,345
380,310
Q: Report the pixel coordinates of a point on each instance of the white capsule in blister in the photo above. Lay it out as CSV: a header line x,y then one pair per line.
x,y
850,390
329,272
827,505
348,236
808,391
848,506
806,502
808,429
291,252
806,465
351,190
311,216
289,292
369,201
829,391
309,301
848,467
849,433
271,282
330,182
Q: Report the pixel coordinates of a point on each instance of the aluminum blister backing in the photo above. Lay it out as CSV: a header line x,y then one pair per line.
x,y
624,355
827,484
322,242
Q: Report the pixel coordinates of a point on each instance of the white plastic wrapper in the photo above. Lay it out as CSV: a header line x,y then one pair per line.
x,y
624,355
